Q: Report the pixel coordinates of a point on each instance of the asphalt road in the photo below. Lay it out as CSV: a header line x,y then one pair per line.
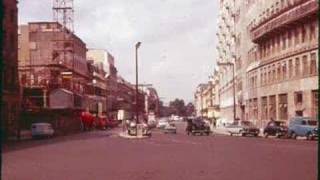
x,y
103,155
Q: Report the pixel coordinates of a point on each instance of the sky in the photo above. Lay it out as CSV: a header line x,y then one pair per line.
x,y
178,38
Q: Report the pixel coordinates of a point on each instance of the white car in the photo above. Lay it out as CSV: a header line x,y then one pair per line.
x,y
42,130
162,123
170,128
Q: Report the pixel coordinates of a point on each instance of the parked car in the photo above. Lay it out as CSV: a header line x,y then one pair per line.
x,y
304,127
41,130
275,128
197,125
162,123
170,128
101,122
111,123
243,128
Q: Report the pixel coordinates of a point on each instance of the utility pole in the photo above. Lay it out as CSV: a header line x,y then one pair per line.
x,y
137,82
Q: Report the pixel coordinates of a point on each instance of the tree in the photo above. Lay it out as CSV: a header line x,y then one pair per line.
x,y
190,109
178,107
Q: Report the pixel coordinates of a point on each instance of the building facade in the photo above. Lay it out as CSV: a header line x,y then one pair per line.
x,y
272,46
51,57
10,105
283,74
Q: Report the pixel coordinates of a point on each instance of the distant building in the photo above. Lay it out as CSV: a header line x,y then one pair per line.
x,y
11,92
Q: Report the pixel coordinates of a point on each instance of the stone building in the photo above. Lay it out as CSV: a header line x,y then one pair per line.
x,y
207,98
51,57
273,48
10,82
283,74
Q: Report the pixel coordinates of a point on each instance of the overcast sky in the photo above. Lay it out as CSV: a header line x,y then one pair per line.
x,y
178,38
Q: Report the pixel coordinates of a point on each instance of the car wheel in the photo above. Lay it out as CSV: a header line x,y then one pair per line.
x,y
231,134
309,136
243,134
255,135
265,135
293,135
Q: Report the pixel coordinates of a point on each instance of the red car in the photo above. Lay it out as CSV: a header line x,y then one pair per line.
x,y
111,123
87,120
101,122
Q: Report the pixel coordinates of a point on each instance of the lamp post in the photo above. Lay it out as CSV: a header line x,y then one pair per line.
x,y
233,86
137,90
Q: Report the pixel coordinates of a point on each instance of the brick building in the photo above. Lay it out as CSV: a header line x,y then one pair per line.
x,y
10,105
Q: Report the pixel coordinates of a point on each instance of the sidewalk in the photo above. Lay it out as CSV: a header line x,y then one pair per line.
x,y
24,135
222,131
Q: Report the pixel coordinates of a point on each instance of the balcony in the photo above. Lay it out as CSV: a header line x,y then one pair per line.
x,y
291,16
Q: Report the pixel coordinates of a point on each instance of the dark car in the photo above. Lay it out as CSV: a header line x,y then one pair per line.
x,y
197,125
275,128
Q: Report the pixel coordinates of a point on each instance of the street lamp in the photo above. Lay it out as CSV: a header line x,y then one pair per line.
x,y
137,90
233,85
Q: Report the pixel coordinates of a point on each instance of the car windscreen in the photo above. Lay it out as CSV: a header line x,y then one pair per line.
x,y
312,122
246,123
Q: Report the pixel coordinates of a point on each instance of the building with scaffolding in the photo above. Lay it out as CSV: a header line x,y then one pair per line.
x,y
50,58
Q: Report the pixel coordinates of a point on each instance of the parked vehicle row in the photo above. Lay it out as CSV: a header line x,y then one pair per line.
x,y
298,127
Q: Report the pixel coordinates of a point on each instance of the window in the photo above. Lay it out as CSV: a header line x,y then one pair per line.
x,y
297,67
283,106
305,65
284,71
279,77
289,38
315,104
298,98
272,106
278,43
273,73
296,36
290,68
312,35
304,34
313,64
284,38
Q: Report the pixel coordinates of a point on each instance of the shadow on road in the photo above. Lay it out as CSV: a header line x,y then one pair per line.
x,y
25,144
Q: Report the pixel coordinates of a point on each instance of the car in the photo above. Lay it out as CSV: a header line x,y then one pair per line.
x,y
243,128
162,123
146,130
275,128
132,128
110,123
170,128
197,125
303,127
41,130
152,123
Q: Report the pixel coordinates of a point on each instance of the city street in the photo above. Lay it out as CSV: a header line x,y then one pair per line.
x,y
103,155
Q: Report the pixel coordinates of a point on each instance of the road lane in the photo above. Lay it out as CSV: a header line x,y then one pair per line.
x,y
103,155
